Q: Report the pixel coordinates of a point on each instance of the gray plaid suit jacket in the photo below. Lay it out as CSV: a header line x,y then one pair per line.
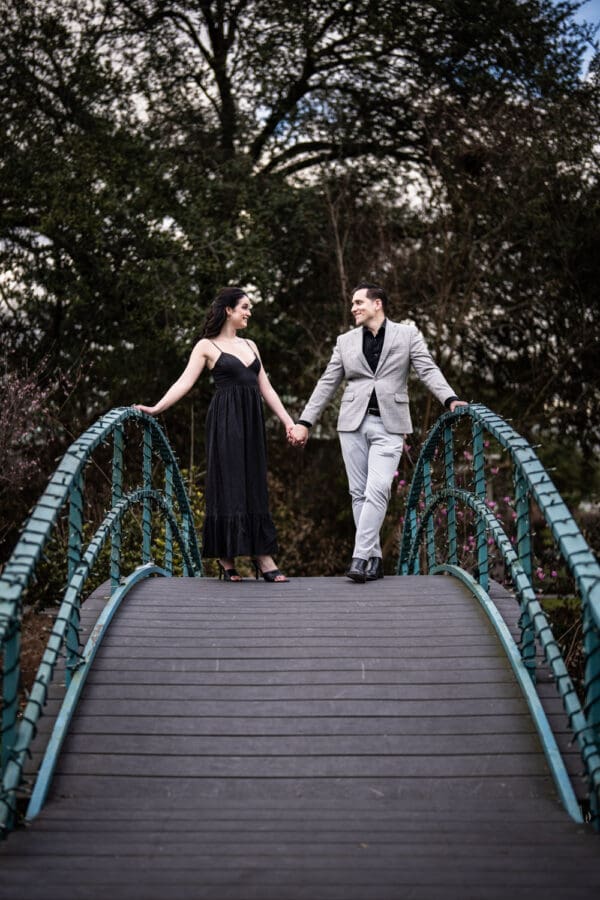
x,y
403,347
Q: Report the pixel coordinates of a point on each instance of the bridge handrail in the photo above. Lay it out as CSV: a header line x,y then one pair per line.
x,y
66,487
531,481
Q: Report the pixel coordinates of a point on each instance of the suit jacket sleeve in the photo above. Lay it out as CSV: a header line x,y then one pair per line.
x,y
325,388
427,370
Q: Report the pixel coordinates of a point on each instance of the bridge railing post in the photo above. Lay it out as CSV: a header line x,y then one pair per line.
x,y
523,547
480,490
146,505
449,478
74,558
430,524
11,677
117,493
591,643
168,557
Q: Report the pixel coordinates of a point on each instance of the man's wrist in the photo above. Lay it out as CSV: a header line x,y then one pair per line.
x,y
304,422
450,400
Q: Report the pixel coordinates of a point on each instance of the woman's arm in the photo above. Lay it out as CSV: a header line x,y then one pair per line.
x,y
271,397
184,383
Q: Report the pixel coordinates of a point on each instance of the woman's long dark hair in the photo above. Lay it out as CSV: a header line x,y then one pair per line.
x,y
217,315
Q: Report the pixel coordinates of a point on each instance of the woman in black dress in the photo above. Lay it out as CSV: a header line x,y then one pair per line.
x,y
237,521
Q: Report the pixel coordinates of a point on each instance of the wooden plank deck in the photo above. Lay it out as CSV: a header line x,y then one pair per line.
x,y
319,740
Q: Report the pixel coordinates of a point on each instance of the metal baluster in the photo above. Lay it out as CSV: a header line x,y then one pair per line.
x,y
591,643
449,473
74,558
168,560
11,677
413,525
524,554
430,523
479,484
117,494
188,525
147,510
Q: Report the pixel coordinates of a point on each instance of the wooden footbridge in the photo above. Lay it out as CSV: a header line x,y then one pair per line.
x,y
416,737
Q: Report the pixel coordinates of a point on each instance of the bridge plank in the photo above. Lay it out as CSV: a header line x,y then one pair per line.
x,y
316,739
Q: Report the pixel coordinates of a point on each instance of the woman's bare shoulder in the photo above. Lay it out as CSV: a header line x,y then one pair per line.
x,y
205,347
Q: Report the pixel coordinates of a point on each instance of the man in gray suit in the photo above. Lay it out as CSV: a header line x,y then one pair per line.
x,y
374,358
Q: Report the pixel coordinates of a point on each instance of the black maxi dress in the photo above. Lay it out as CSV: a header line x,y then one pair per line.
x,y
237,522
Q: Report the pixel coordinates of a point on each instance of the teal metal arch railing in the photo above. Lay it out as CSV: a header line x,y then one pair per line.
x,y
531,484
66,490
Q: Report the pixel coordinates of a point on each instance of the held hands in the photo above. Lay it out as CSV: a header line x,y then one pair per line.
x,y
297,435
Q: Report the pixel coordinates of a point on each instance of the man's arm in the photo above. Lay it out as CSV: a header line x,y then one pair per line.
x,y
430,373
324,390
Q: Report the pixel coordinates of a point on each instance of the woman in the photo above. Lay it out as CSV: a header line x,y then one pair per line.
x,y
237,522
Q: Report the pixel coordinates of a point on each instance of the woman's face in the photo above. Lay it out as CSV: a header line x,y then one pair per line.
x,y
240,313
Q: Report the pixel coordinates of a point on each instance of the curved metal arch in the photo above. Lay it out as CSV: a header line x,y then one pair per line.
x,y
36,532
27,728
531,481
69,704
577,555
582,729
66,486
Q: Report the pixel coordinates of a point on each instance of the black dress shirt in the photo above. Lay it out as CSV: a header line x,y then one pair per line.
x,y
372,347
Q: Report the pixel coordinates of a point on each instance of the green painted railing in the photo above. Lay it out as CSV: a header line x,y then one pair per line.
x,y
65,492
532,485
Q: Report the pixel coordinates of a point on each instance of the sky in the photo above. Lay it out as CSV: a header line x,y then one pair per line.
x,y
589,12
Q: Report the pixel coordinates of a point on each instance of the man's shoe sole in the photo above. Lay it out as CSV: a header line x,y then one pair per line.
x,y
356,576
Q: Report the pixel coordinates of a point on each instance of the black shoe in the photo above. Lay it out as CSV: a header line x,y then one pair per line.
x,y
357,570
229,574
274,576
375,568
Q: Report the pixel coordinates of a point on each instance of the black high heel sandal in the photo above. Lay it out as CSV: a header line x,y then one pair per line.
x,y
270,576
229,574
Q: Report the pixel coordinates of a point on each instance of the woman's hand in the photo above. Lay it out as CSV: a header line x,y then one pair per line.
x,y
297,435
150,410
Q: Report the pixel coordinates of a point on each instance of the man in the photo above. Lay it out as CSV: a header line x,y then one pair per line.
x,y
374,358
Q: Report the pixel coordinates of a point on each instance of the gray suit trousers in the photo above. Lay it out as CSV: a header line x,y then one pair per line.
x,y
371,456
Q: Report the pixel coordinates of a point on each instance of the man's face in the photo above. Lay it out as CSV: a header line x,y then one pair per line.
x,y
363,309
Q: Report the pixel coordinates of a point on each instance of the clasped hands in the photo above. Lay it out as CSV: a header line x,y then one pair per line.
x,y
297,435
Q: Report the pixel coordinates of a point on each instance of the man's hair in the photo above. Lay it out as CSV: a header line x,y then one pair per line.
x,y
374,292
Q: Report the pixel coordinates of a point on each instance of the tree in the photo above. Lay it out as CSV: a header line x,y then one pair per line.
x,y
157,149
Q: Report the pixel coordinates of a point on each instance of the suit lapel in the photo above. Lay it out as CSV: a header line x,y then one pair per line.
x,y
357,349
388,341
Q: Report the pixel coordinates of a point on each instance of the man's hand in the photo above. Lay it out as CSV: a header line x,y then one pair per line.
x,y
298,435
456,403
